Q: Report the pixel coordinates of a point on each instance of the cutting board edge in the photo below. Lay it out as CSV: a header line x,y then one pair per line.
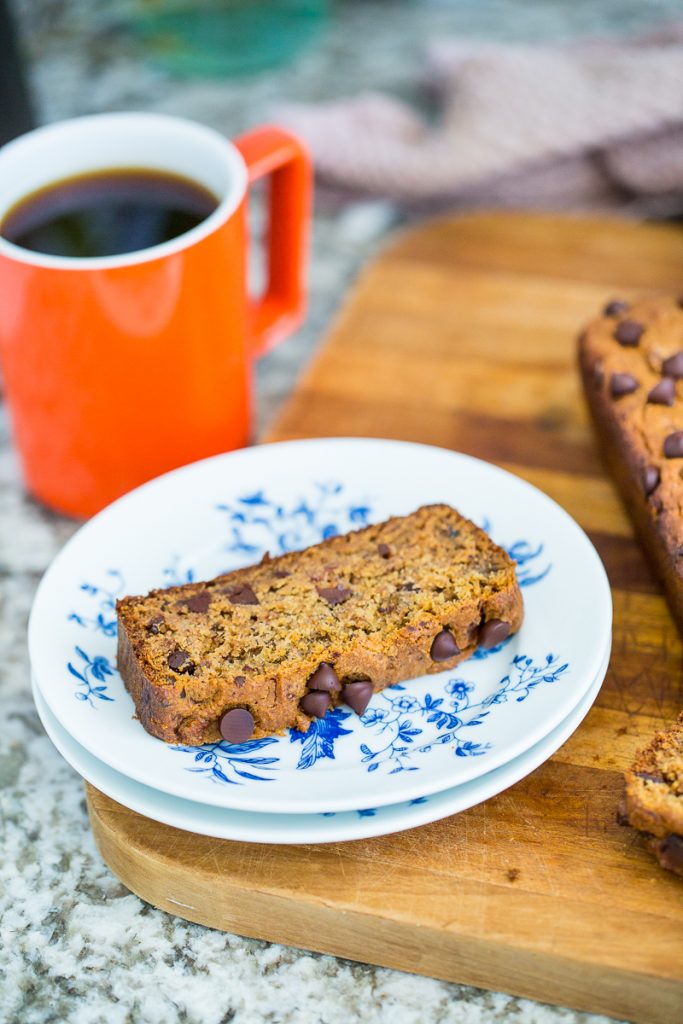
x,y
368,938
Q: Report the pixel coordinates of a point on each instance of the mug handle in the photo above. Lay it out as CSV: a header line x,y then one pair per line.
x,y
281,308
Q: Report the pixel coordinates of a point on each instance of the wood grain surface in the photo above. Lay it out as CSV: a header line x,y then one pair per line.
x,y
462,334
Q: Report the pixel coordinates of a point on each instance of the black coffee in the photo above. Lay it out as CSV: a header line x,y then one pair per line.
x,y
107,213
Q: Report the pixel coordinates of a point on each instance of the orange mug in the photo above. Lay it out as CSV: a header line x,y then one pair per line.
x,y
118,368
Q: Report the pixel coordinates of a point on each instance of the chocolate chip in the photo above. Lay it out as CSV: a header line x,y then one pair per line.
x,y
443,646
239,680
493,633
671,853
237,725
629,332
408,585
334,595
473,633
358,695
281,573
648,777
673,366
324,679
384,551
242,594
673,445
316,704
153,626
177,659
650,479
615,308
663,393
197,603
622,384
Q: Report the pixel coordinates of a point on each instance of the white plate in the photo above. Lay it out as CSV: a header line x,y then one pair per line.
x,y
308,828
422,737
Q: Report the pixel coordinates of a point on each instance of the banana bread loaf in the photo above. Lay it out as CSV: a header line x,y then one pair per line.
x,y
275,645
631,361
653,802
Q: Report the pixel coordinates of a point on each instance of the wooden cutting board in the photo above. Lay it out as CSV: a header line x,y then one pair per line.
x,y
462,334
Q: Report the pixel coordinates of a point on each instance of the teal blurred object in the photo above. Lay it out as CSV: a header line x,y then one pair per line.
x,y
226,37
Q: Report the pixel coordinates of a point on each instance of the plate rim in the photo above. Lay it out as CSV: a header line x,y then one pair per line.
x,y
354,829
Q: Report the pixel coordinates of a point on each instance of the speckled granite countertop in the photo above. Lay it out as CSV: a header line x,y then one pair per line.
x,y
74,944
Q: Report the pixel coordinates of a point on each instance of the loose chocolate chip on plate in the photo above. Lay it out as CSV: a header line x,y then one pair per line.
x,y
197,603
242,594
316,704
673,445
493,633
622,384
663,393
384,551
324,679
358,695
177,659
650,479
629,332
334,595
153,626
673,366
443,646
237,725
615,308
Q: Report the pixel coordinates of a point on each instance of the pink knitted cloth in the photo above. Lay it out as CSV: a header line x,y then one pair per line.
x,y
592,125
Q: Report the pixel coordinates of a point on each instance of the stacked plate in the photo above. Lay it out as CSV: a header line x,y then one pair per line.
x,y
423,750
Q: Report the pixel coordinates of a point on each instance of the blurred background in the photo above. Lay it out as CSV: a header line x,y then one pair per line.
x,y
410,107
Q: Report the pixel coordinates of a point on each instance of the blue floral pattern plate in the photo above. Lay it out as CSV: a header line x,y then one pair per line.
x,y
415,739
364,823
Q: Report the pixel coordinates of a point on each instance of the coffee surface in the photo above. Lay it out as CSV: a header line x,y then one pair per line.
x,y
107,213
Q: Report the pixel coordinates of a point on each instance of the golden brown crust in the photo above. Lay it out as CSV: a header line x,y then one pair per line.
x,y
632,430
370,603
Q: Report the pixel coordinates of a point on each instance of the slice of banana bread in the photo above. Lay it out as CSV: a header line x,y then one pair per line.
x,y
653,802
272,646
